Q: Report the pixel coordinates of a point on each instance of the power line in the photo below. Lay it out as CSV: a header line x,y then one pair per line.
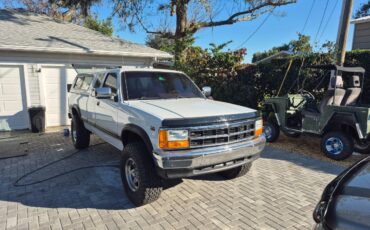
x,y
327,22
256,30
308,16
322,19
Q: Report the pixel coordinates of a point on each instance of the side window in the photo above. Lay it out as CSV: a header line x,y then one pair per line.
x,y
111,82
78,82
99,80
87,82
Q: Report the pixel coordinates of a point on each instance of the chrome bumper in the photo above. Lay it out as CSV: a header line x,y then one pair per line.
x,y
186,163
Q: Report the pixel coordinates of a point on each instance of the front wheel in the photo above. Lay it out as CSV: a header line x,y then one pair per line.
x,y
140,180
80,135
236,172
362,147
337,145
271,131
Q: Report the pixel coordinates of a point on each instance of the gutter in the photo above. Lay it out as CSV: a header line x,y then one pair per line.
x,y
162,55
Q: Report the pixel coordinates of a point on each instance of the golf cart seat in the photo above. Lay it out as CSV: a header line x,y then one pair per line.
x,y
353,92
333,96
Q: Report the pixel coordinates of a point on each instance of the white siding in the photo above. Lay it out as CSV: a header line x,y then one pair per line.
x,y
361,36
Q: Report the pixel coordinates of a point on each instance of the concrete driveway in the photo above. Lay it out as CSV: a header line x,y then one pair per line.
x,y
280,191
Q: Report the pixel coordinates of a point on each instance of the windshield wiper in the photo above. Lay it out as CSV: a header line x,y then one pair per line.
x,y
148,98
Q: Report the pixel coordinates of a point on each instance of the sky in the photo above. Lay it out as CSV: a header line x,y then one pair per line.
x,y
276,29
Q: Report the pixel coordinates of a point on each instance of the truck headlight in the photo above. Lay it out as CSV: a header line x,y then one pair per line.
x,y
258,127
173,139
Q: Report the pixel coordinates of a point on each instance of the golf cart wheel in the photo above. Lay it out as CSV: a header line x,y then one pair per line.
x,y
139,178
236,172
291,134
271,131
362,147
337,145
80,135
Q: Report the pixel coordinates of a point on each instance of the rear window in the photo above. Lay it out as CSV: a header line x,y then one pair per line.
x,y
83,82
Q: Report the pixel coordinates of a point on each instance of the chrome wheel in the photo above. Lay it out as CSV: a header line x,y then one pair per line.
x,y
267,131
131,173
334,145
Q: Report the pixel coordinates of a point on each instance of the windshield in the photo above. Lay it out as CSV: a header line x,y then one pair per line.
x,y
158,85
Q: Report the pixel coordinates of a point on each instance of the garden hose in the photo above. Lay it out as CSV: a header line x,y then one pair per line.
x,y
17,184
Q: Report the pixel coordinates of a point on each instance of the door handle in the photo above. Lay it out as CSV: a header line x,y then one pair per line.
x,y
98,103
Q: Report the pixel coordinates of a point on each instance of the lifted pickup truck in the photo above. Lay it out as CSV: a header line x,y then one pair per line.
x,y
165,126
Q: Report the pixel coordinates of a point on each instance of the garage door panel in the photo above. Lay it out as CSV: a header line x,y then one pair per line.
x,y
55,80
13,114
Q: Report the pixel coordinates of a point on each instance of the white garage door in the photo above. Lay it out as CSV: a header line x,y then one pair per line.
x,y
55,82
13,113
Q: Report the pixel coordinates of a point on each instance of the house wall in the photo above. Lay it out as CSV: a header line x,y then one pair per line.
x,y
361,36
38,68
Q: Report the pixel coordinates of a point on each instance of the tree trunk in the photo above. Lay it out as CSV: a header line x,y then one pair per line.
x,y
181,27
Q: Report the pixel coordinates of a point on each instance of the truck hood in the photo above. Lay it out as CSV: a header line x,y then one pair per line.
x,y
188,108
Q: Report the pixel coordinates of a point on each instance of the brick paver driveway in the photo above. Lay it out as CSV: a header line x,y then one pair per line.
x,y
279,192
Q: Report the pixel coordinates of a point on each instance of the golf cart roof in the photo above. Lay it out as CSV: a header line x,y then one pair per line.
x,y
340,68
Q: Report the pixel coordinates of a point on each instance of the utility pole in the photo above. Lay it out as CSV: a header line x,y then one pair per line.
x,y
343,29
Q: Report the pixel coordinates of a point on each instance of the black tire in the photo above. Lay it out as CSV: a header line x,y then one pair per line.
x,y
291,134
236,172
271,131
80,135
362,147
337,145
149,185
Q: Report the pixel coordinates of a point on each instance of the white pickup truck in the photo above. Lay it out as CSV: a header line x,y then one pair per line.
x,y
165,126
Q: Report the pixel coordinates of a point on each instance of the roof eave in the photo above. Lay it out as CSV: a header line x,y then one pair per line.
x,y
161,55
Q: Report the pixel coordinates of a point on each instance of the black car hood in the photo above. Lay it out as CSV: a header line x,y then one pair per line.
x,y
350,205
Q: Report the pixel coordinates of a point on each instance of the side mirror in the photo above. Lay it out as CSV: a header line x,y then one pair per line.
x,y
103,93
206,90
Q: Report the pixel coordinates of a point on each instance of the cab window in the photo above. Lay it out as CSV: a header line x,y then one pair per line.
x,y
111,82
99,80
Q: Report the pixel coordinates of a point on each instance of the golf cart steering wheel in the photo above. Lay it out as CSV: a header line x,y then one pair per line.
x,y
307,95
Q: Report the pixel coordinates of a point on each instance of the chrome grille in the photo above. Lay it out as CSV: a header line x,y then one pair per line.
x,y
206,136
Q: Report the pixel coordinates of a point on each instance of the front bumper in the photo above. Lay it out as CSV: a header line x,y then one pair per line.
x,y
193,162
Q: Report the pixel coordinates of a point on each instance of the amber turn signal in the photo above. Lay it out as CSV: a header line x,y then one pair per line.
x,y
258,127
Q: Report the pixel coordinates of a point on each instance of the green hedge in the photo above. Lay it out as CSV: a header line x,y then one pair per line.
x,y
254,83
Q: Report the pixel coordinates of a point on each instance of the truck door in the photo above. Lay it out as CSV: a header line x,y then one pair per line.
x,y
106,109
92,100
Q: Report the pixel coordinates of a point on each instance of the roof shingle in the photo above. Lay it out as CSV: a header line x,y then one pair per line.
x,y
25,31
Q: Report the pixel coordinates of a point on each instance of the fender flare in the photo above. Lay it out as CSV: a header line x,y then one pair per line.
x,y
77,110
348,119
140,132
268,108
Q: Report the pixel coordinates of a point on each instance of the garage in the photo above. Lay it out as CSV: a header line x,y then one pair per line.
x,y
36,69
55,85
13,113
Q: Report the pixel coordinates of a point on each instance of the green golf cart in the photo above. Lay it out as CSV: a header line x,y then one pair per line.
x,y
339,118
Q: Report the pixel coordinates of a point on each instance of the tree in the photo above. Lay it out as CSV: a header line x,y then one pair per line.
x,y
103,26
52,9
192,15
157,42
363,10
301,45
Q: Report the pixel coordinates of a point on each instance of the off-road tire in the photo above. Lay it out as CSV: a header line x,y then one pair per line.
x,y
291,134
82,139
150,184
236,172
275,131
363,148
347,141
